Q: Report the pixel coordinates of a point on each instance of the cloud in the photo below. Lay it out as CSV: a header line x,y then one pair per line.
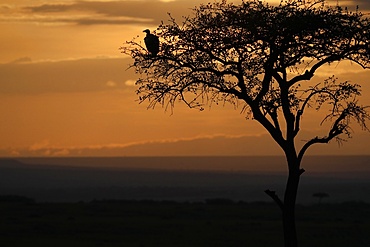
x,y
43,148
197,146
111,21
50,8
142,12
81,20
219,145
22,60
82,75
111,84
62,152
42,145
109,12
130,83
5,8
340,68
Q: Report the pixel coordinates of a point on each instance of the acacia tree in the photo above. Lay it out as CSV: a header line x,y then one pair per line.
x,y
261,57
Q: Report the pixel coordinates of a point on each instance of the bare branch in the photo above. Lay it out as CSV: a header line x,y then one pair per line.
x,y
341,125
273,195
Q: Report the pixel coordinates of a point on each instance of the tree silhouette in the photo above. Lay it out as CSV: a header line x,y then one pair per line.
x,y
320,196
261,58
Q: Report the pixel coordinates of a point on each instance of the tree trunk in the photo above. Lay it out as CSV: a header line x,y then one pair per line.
x,y
288,209
290,233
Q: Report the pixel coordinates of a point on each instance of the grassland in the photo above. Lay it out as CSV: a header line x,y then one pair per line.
x,y
216,223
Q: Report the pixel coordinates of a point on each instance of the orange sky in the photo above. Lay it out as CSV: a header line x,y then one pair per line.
x,y
64,88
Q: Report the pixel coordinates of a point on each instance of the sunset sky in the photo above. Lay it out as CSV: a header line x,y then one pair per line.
x,y
65,89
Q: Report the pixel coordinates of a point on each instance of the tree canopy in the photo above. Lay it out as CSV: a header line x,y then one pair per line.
x,y
260,57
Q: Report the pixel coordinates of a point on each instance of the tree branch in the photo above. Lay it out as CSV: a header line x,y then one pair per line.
x,y
305,103
273,195
310,73
269,69
274,117
334,131
273,131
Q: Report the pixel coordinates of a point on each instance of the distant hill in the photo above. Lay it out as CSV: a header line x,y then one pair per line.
x,y
10,163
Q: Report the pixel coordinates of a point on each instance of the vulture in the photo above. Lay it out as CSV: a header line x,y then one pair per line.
x,y
151,42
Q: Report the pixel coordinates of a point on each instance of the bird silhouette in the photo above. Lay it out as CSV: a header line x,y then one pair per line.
x,y
151,42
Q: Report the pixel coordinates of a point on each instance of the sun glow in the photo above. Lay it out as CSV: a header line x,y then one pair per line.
x,y
65,84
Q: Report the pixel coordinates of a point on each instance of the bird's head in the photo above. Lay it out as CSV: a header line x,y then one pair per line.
x,y
147,31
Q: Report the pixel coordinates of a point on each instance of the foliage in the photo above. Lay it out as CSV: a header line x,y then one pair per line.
x,y
260,57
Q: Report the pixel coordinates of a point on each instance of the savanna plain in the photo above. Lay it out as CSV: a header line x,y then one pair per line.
x,y
217,222
46,202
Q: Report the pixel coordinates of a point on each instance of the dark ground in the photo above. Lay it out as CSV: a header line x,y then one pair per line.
x,y
215,223
131,178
